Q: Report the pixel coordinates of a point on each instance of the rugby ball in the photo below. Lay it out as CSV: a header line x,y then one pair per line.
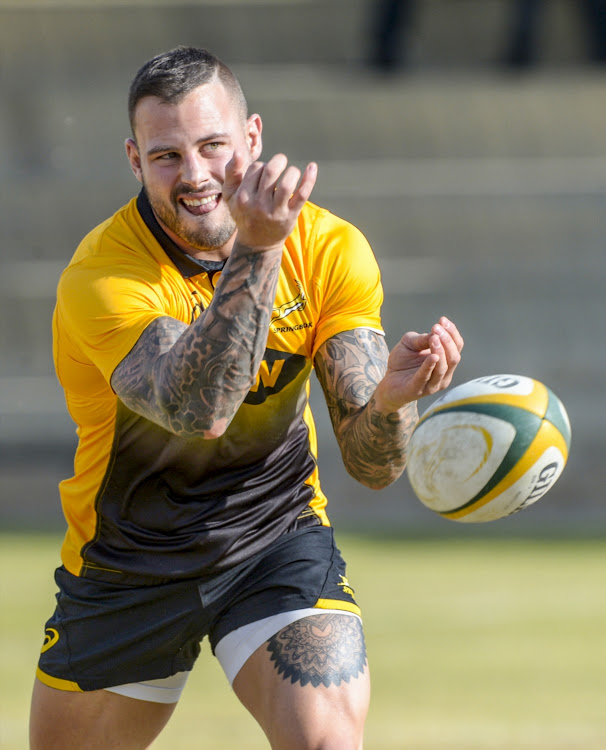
x,y
488,448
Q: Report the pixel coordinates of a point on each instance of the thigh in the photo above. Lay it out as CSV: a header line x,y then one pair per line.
x,y
94,720
308,685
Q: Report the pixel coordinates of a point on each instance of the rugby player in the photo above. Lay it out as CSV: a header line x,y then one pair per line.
x,y
185,332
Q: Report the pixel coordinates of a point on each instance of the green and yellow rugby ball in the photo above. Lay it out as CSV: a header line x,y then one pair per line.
x,y
488,448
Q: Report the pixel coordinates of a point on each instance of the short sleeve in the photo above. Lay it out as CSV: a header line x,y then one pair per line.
x,y
349,282
104,312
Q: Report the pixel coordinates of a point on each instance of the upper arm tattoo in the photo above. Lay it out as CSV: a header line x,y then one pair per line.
x,y
133,381
349,367
192,379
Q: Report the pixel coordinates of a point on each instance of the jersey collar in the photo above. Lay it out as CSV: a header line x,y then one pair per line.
x,y
186,264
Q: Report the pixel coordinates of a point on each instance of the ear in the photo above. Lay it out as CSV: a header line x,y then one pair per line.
x,y
132,152
254,126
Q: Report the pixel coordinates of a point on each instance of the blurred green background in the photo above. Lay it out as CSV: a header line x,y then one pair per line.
x,y
473,644
482,189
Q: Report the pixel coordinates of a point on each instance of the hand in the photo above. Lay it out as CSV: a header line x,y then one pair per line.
x,y
420,364
266,199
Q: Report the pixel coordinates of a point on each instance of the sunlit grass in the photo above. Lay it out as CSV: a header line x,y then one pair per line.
x,y
474,644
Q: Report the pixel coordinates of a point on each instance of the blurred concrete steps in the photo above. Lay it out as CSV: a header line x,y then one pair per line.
x,y
423,145
111,38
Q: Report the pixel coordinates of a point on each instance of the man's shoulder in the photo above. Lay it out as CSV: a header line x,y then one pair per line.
x,y
314,214
319,230
116,251
320,227
122,233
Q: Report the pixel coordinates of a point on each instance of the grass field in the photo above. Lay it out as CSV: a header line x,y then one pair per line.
x,y
474,644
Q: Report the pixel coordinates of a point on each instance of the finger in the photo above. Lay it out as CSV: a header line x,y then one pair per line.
x,y
441,366
416,342
271,174
234,174
301,195
453,331
423,376
453,355
287,186
249,187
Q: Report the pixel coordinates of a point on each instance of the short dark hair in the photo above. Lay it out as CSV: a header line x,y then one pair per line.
x,y
172,75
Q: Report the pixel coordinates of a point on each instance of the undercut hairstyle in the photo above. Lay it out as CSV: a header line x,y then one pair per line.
x,y
172,75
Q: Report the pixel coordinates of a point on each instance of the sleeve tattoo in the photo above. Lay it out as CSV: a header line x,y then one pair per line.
x,y
349,367
191,379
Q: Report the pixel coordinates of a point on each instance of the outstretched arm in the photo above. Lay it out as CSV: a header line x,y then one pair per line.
x,y
372,394
192,379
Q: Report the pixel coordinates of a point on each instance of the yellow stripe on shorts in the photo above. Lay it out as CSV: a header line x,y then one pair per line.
x,y
338,604
57,682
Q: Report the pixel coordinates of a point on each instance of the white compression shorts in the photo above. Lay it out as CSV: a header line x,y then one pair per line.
x,y
232,651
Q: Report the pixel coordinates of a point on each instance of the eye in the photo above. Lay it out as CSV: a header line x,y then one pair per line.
x,y
213,146
168,156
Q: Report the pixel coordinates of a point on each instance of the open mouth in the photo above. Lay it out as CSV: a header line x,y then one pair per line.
x,y
199,206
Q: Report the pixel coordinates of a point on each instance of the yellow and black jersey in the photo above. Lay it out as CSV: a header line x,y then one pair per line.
x,y
145,505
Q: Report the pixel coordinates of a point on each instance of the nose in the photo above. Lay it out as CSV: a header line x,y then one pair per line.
x,y
193,171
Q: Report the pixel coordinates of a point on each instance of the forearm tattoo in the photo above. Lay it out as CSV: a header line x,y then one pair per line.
x,y
349,367
320,650
192,379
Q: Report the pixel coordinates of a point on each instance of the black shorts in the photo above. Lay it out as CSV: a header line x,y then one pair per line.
x,y
106,634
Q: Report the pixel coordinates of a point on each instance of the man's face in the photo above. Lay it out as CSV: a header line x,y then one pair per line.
x,y
180,156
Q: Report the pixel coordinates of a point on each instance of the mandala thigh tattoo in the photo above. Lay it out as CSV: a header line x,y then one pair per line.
x,y
320,650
